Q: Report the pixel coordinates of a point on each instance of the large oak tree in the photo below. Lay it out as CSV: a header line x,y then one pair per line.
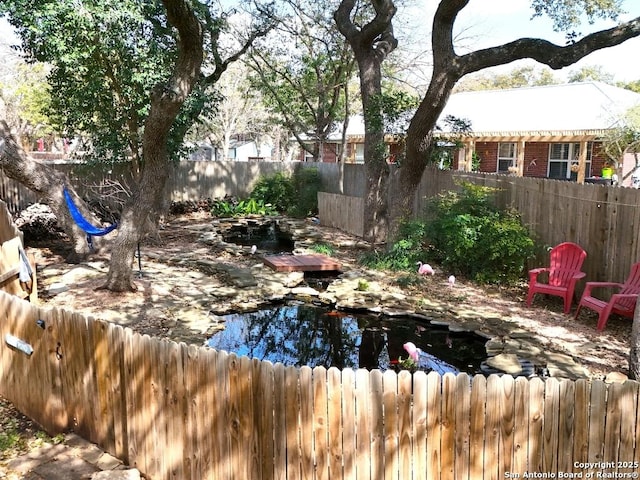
x,y
373,41
144,62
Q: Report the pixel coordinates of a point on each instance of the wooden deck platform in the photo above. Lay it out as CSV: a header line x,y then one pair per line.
x,y
301,263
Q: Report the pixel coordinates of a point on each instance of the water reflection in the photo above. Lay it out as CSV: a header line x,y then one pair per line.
x,y
310,335
266,237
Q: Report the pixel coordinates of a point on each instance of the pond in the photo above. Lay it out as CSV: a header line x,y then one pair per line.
x,y
303,334
267,237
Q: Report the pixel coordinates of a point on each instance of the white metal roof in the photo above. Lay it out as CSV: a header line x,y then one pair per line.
x,y
566,107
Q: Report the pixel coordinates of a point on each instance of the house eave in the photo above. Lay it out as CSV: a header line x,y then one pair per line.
x,y
528,136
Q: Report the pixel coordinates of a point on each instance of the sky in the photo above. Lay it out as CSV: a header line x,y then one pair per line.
x,y
486,23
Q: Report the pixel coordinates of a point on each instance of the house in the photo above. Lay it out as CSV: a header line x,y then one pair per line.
x,y
240,150
552,131
332,147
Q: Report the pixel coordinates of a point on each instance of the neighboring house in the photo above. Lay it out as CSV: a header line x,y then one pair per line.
x,y
354,144
239,150
551,131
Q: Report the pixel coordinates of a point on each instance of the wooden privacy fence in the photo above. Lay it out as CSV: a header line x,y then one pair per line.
x,y
180,411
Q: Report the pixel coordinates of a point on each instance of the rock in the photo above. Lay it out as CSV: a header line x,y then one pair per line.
x,y
506,362
132,474
79,273
616,377
305,291
56,288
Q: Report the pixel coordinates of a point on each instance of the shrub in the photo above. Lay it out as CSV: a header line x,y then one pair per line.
x,y
229,207
306,184
469,235
296,195
277,190
404,253
323,249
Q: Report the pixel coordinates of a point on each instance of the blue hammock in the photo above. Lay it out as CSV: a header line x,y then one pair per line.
x,y
83,223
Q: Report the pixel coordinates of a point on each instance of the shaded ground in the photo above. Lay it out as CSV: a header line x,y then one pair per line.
x,y
162,295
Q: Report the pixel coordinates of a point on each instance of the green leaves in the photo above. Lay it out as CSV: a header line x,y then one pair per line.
x,y
568,14
469,235
232,208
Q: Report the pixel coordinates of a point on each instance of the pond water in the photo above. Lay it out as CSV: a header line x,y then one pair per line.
x,y
267,237
303,334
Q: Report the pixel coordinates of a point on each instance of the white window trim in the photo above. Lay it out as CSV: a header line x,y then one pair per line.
x,y
512,160
572,157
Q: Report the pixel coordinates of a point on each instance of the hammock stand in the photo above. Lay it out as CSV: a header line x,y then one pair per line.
x,y
83,223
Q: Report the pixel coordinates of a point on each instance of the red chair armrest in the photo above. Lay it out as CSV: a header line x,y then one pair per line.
x,y
589,286
619,296
533,273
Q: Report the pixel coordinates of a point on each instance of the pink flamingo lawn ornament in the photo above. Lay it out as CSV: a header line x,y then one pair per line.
x,y
412,350
425,269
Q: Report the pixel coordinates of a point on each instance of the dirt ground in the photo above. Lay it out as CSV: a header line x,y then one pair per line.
x,y
544,317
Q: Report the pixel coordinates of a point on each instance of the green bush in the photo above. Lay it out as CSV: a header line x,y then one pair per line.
x,y
306,184
295,195
233,208
404,253
277,190
470,236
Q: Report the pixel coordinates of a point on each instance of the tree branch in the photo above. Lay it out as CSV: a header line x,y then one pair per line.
x,y
548,53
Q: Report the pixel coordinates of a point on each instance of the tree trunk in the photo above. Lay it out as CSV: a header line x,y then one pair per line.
x,y
146,204
371,44
48,183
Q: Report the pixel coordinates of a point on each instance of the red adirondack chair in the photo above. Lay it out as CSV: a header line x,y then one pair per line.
x,y
622,303
563,273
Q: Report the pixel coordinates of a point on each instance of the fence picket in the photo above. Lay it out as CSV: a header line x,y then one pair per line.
x,y
612,422
210,414
626,403
363,432
306,423
447,427
419,421
193,427
280,427
264,411
321,423
492,428
221,395
520,426
566,426
349,444
292,423
461,425
404,424
334,414
597,408
391,443
551,425
132,378
477,426
434,419
376,413
507,426
581,421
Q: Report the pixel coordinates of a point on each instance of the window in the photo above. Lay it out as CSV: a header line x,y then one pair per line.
x,y
506,156
562,155
359,153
